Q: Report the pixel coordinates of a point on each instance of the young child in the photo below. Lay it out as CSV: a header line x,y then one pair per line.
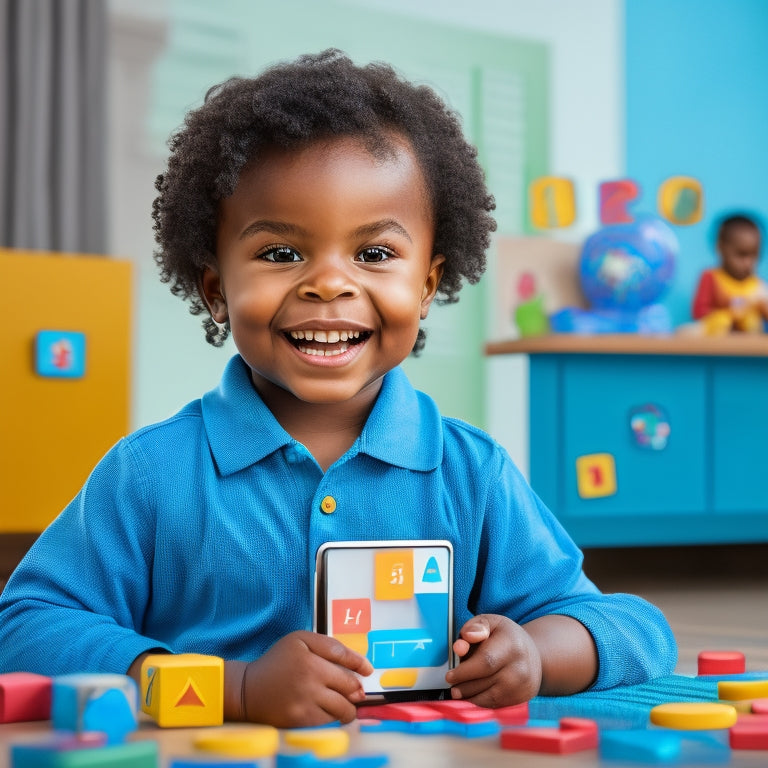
x,y
732,297
315,213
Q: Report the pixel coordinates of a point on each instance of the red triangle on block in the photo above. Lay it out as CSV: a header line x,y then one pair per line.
x,y
190,697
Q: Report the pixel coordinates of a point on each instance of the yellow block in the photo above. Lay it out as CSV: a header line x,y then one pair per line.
x,y
185,690
55,430
321,742
738,690
694,716
398,678
252,741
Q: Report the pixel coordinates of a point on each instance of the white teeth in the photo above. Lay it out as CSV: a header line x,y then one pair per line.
x,y
324,352
325,337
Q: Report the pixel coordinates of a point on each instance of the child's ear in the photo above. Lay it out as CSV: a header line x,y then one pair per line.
x,y
212,292
431,283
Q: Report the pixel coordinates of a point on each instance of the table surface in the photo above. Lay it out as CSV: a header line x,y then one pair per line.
x,y
403,750
735,345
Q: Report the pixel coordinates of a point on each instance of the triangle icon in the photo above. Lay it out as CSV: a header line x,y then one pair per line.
x,y
191,696
432,571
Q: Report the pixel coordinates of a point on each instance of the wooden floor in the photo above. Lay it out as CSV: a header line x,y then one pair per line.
x,y
715,597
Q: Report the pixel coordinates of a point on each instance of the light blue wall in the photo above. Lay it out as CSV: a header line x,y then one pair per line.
x,y
697,104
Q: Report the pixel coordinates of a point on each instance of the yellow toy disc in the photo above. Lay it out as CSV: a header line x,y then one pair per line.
x,y
322,742
253,741
694,716
738,690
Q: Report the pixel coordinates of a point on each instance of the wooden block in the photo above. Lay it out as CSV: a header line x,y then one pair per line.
x,y
136,754
721,663
321,742
738,690
694,716
95,702
575,734
184,690
24,696
249,741
749,735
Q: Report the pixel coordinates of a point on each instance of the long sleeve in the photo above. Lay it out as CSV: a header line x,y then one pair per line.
x,y
76,602
633,639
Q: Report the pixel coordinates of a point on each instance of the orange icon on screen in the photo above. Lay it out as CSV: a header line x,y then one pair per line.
x,y
394,574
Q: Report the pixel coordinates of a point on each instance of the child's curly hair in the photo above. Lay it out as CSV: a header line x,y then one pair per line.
x,y
295,103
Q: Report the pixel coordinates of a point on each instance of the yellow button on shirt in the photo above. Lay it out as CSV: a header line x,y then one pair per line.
x,y
328,505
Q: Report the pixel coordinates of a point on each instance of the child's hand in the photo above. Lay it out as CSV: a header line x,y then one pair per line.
x,y
304,679
500,663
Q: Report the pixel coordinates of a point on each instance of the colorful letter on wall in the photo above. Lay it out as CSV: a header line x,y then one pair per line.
x,y
681,200
60,354
553,202
615,196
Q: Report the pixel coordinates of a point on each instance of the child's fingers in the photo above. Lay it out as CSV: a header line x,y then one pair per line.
x,y
332,650
477,629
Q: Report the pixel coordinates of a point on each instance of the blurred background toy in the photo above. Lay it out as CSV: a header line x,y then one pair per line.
x,y
731,297
624,270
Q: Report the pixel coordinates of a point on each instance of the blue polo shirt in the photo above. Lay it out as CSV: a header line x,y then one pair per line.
x,y
199,534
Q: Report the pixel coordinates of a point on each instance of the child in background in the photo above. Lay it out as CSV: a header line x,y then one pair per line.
x,y
315,212
732,297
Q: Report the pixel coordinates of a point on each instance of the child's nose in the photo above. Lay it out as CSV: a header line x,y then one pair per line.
x,y
328,279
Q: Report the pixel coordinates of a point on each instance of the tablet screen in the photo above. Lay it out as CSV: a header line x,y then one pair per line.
x,y
391,601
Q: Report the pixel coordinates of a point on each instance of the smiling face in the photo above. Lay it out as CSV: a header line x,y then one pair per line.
x,y
325,267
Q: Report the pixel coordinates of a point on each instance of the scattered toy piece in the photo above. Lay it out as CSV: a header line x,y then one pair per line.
x,y
24,696
321,742
694,716
250,741
574,734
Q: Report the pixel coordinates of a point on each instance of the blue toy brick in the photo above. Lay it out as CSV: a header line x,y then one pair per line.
x,y
664,747
308,760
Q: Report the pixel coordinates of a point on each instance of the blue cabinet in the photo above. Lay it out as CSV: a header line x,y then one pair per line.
x,y
594,402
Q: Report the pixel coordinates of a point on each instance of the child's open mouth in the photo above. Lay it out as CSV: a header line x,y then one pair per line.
x,y
326,343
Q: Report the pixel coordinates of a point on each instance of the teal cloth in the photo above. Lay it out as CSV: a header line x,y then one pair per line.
x,y
630,706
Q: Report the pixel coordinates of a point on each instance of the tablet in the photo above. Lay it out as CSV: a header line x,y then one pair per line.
x,y
392,602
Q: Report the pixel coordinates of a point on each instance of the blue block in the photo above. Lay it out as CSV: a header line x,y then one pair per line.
x,y
95,702
205,763
664,747
308,760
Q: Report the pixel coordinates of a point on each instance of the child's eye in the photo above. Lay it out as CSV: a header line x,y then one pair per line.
x,y
374,255
281,254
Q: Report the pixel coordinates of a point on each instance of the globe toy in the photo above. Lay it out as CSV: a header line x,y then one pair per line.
x,y
628,266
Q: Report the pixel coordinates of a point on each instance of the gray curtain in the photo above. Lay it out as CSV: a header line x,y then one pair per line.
x,y
53,77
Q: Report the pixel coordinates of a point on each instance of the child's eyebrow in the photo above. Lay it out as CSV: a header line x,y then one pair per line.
x,y
277,227
286,229
377,227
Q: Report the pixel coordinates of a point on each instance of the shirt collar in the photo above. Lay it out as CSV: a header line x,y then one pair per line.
x,y
403,429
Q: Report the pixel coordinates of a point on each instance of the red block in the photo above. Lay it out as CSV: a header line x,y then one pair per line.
x,y
516,714
749,734
460,711
721,663
760,706
409,713
575,734
24,696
